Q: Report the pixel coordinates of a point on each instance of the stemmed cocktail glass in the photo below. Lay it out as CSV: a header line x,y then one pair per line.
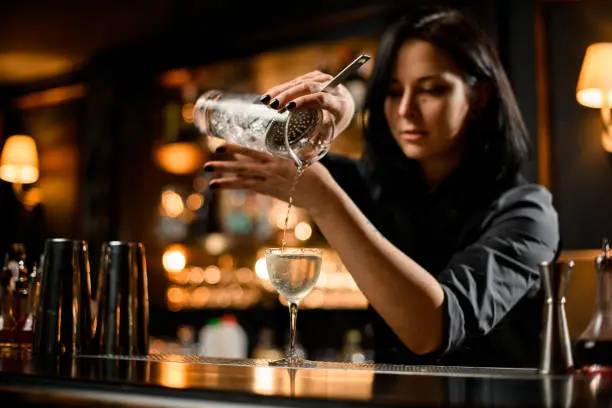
x,y
293,272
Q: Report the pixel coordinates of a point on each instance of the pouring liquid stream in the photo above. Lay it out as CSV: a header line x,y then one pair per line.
x,y
299,172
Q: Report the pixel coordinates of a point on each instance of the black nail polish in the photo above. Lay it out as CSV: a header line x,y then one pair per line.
x,y
213,186
209,169
275,103
265,99
290,105
220,149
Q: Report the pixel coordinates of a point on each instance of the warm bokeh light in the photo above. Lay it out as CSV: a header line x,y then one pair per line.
x,y
32,197
199,297
179,158
244,275
187,112
172,204
226,261
175,78
235,291
181,277
594,98
176,295
195,275
174,259
278,215
51,97
173,375
212,275
19,161
21,66
314,299
195,201
594,87
303,231
261,269
216,243
263,381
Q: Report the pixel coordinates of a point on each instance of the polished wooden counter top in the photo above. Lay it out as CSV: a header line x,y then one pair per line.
x,y
183,381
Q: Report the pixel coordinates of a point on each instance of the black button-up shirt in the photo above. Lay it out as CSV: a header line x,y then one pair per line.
x,y
482,240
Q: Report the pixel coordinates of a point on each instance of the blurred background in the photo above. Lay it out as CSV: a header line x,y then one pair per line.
x,y
105,90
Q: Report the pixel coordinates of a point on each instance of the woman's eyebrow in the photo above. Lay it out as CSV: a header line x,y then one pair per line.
x,y
394,80
429,77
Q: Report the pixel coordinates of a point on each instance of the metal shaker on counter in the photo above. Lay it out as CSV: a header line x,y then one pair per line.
x,y
121,325
63,320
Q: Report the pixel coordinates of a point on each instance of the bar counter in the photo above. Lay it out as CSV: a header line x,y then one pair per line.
x,y
179,381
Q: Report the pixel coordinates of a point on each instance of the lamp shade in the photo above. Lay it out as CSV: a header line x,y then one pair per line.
x,y
19,161
595,82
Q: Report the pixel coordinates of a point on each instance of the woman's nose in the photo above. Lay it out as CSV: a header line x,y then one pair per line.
x,y
407,106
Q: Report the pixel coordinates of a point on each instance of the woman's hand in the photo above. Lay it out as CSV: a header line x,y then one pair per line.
x,y
271,175
305,92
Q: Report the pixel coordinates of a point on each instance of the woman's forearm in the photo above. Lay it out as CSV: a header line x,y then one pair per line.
x,y
407,297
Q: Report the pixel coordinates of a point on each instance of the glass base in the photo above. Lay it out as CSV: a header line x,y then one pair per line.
x,y
293,362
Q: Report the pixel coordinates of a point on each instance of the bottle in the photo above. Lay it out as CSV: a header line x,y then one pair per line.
x,y
352,351
186,340
33,296
240,118
7,287
234,338
223,338
208,338
14,287
21,284
593,350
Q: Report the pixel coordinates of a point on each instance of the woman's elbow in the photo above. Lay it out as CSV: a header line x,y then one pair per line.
x,y
426,340
424,346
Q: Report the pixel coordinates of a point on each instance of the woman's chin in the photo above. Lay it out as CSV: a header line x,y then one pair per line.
x,y
413,151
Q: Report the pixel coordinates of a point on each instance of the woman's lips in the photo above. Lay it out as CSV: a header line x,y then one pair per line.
x,y
412,135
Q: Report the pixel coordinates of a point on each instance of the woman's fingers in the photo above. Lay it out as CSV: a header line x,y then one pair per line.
x,y
244,151
237,182
304,84
249,168
321,100
250,163
313,76
299,89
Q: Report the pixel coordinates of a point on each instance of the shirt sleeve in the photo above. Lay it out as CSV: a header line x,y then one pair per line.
x,y
483,282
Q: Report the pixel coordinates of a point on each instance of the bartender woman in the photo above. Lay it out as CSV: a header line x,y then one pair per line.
x,y
435,223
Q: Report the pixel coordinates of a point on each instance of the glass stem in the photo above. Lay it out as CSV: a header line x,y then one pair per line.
x,y
293,309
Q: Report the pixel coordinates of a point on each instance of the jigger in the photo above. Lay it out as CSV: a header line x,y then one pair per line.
x,y
556,351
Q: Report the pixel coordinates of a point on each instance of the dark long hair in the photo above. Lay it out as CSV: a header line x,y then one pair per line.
x,y
496,141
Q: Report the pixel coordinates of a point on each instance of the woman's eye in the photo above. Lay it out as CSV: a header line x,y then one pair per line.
x,y
394,93
434,90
